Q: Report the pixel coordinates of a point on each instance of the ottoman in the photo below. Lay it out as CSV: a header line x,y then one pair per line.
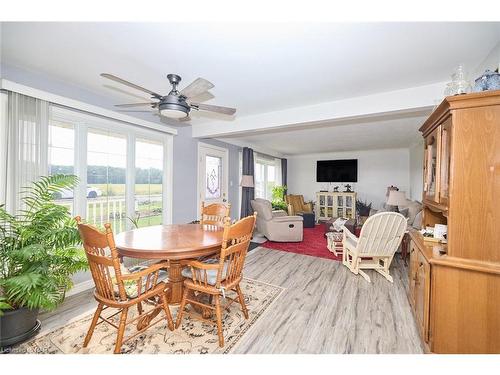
x,y
309,221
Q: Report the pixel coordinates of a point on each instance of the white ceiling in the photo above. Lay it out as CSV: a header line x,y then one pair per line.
x,y
257,68
397,131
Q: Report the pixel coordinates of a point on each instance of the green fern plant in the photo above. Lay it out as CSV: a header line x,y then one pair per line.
x,y
39,248
278,201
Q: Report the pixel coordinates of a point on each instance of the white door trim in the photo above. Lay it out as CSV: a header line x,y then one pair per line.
x,y
225,172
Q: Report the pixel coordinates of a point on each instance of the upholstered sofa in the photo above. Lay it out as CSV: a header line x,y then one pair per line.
x,y
277,225
412,210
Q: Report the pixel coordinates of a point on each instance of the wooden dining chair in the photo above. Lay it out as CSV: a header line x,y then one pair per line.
x,y
214,214
116,287
218,276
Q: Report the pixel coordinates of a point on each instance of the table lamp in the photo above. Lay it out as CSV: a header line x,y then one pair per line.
x,y
396,198
247,181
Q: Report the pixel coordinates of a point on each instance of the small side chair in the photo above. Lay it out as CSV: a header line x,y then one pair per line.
x,y
116,287
216,277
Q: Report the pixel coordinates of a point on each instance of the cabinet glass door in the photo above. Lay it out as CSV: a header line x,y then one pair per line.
x,y
348,213
444,182
348,201
340,201
431,165
329,200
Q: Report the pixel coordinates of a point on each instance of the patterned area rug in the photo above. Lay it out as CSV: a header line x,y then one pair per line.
x,y
194,336
313,244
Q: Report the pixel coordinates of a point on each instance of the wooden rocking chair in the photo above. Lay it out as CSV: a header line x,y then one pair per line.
x,y
214,214
116,287
216,277
379,239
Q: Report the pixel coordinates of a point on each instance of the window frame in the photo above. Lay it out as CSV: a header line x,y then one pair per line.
x,y
82,122
267,163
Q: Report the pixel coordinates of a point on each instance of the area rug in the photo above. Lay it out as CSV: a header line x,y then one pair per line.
x,y
194,336
313,244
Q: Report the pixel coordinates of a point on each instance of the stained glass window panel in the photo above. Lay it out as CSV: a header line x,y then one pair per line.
x,y
213,177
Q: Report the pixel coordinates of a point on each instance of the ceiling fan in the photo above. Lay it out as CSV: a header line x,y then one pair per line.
x,y
176,104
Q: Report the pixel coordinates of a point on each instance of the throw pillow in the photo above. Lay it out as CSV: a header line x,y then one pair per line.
x,y
417,223
388,208
405,212
414,208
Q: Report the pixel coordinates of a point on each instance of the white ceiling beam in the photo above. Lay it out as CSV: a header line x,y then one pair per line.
x,y
81,106
421,98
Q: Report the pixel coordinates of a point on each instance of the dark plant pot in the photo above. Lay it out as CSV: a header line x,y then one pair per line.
x,y
18,325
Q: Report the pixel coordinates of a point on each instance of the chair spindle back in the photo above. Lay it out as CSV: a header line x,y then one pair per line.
x,y
214,214
103,259
235,242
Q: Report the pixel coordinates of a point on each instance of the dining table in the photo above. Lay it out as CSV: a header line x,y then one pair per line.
x,y
174,243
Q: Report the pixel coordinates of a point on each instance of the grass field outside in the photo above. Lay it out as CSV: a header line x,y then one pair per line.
x,y
119,189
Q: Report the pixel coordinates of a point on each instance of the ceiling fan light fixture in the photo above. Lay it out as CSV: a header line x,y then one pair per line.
x,y
172,113
173,110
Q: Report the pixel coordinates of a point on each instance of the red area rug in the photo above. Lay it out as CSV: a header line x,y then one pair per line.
x,y
313,244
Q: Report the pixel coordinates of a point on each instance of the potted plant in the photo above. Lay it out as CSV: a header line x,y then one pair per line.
x,y
278,195
38,254
363,210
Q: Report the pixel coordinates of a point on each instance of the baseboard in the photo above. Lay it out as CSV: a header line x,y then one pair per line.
x,y
80,287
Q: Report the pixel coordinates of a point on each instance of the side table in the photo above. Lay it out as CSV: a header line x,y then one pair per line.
x,y
334,242
309,221
405,244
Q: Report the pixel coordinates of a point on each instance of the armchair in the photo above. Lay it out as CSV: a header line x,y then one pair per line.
x,y
216,277
277,225
297,205
118,288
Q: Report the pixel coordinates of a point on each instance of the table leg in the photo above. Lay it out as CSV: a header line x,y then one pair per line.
x,y
176,282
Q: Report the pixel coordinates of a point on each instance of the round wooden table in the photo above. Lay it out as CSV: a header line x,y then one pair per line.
x,y
173,243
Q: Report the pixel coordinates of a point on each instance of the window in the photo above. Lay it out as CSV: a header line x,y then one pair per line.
x,y
148,182
266,177
122,169
106,165
61,157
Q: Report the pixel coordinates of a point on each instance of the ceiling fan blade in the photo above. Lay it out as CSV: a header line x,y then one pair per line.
x,y
184,119
203,97
136,105
214,108
197,87
130,84
134,111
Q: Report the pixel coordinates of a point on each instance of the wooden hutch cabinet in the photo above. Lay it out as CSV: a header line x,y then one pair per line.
x,y
455,287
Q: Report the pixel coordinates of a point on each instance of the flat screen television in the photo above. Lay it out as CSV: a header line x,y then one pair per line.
x,y
337,170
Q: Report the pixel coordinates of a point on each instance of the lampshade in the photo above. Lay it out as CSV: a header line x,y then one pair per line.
x,y
396,198
246,181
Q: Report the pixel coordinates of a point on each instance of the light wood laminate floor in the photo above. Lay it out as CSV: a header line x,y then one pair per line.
x,y
324,308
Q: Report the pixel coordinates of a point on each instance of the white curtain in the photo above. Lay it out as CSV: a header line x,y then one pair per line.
x,y
277,165
23,145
